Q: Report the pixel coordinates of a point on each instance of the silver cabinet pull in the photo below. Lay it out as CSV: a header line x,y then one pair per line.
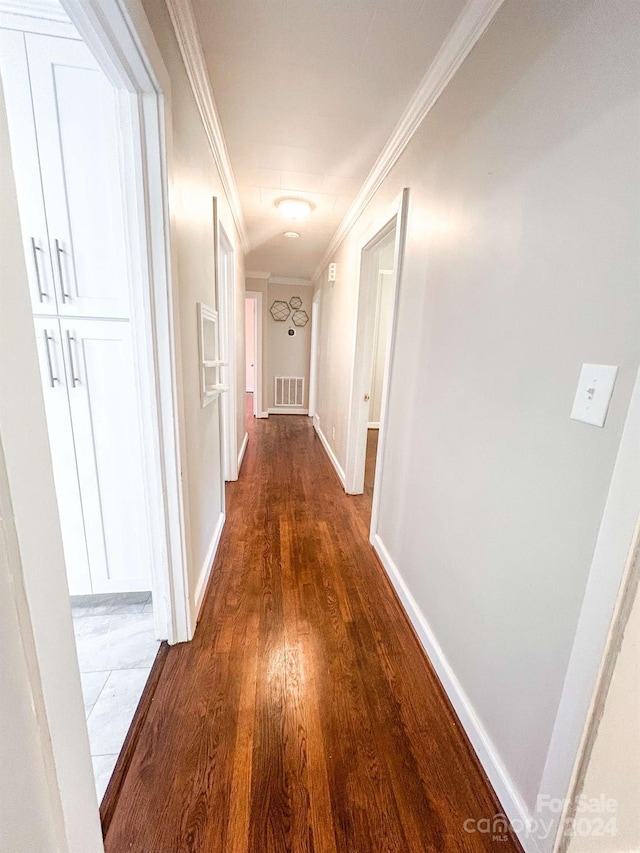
x,y
52,377
74,379
35,249
59,253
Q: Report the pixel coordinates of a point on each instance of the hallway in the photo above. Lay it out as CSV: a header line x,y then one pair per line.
x,y
303,716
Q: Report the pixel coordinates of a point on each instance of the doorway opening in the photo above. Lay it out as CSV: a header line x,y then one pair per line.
x,y
253,384
250,353
381,336
381,253
73,135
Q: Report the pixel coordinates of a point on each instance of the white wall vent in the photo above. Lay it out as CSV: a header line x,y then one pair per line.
x,y
289,391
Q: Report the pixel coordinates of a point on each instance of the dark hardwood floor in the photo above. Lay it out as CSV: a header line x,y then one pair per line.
x,y
304,715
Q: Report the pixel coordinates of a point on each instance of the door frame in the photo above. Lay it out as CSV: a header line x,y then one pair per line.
x,y
313,361
607,595
393,218
226,307
256,295
120,38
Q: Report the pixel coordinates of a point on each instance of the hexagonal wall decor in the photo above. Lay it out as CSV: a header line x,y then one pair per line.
x,y
295,302
280,311
300,318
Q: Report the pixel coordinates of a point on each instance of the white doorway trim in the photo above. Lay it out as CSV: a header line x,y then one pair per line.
x,y
256,295
121,40
315,343
393,219
225,299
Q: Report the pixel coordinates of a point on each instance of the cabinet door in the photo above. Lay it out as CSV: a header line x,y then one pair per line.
x,y
24,155
105,420
63,456
76,118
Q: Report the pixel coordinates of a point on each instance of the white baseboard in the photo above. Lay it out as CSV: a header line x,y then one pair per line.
x,y
373,425
330,453
262,415
243,450
514,806
205,571
284,410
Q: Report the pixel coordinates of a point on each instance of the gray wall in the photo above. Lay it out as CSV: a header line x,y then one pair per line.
x,y
522,262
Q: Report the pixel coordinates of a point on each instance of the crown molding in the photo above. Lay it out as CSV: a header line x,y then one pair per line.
x,y
186,30
293,282
468,28
280,279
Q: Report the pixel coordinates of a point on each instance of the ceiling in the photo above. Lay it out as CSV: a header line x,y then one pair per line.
x,y
308,92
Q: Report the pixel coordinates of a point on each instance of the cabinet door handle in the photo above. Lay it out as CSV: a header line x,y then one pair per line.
x,y
52,377
59,254
35,249
74,378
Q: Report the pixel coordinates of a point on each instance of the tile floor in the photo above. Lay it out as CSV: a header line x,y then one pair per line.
x,y
116,647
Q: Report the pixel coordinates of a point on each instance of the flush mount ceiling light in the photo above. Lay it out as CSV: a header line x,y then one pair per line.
x,y
291,235
295,209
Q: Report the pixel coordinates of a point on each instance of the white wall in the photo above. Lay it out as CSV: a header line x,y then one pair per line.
x,y
195,180
521,263
285,355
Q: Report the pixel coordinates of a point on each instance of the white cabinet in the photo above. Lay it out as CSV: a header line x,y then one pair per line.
x,y
63,453
24,150
63,123
67,165
104,417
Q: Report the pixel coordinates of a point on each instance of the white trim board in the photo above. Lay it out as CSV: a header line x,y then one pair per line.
x,y
287,410
373,425
243,450
332,457
504,787
468,28
207,566
186,30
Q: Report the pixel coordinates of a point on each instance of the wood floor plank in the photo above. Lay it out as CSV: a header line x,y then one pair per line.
x,y
304,716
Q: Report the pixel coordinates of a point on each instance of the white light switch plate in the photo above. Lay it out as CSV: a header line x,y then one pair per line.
x,y
595,388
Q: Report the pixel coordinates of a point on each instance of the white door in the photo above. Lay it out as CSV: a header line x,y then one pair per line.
x,y
63,456
250,334
75,109
105,421
24,151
